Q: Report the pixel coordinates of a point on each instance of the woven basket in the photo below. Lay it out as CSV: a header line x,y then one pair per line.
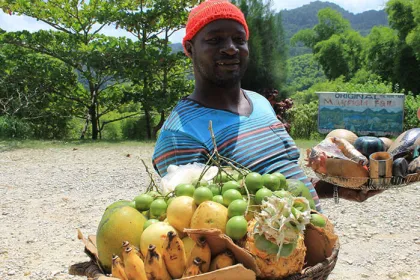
x,y
321,271
363,183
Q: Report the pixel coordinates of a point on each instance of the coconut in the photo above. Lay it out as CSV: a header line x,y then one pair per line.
x,y
414,166
387,142
272,267
319,242
405,143
344,134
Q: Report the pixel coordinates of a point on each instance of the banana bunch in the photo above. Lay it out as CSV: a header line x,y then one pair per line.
x,y
155,266
201,250
133,265
174,255
195,268
172,263
130,267
222,260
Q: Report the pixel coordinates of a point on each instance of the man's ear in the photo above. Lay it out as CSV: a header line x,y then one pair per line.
x,y
189,48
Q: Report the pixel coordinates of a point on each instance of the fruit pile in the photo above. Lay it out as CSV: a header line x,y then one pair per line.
x,y
266,215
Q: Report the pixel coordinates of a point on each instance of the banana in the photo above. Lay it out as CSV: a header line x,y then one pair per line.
x,y
126,244
195,268
155,266
117,268
133,265
222,260
201,249
174,255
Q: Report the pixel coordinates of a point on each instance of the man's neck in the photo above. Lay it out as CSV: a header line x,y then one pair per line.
x,y
232,99
217,97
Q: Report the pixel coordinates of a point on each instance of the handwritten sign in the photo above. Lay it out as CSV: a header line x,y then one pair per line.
x,y
364,114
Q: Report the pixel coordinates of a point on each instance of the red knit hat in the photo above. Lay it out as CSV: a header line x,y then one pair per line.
x,y
209,11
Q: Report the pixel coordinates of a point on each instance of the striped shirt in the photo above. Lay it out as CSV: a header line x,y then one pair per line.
x,y
258,141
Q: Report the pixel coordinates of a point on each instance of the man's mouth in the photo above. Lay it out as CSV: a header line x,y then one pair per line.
x,y
228,62
229,65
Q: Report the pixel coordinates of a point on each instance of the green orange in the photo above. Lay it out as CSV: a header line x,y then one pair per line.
x,y
262,194
230,185
202,194
184,189
237,208
231,195
254,181
271,182
236,227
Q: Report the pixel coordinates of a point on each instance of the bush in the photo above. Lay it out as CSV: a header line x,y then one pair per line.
x,y
412,104
363,83
135,128
304,120
15,128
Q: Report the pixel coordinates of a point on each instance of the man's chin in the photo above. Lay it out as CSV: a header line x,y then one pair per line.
x,y
228,82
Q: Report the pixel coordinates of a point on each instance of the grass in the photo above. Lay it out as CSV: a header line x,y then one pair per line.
x,y
7,145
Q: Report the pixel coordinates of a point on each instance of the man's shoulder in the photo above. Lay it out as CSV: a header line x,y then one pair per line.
x,y
256,97
184,112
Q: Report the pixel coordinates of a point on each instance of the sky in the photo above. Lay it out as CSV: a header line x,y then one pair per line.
x,y
15,23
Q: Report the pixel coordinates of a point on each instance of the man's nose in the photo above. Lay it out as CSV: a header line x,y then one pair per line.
x,y
229,47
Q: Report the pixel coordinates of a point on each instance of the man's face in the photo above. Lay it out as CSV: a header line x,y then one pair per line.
x,y
220,53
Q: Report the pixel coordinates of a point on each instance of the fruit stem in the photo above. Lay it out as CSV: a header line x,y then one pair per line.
x,y
152,181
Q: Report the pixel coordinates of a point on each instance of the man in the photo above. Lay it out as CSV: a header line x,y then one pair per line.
x,y
245,126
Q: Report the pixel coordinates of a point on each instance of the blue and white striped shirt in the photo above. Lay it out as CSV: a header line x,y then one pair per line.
x,y
258,141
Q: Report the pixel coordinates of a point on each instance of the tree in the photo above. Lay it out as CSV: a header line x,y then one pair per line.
x,y
381,50
336,47
267,45
413,37
160,76
403,17
304,72
76,42
330,22
30,89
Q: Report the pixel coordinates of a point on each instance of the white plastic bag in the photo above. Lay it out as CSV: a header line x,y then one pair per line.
x,y
186,174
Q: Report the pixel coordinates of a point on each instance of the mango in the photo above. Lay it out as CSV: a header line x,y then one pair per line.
x,y
210,214
120,224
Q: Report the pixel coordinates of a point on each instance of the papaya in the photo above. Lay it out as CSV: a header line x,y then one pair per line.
x,y
297,188
118,224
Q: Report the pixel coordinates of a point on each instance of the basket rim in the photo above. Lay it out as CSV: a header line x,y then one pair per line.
x,y
368,183
323,268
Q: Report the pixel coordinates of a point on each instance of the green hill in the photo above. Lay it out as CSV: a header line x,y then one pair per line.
x,y
306,17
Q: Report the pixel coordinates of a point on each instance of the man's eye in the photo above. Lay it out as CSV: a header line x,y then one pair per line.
x,y
240,40
213,40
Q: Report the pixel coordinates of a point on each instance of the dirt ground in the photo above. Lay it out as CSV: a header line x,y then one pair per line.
x,y
46,194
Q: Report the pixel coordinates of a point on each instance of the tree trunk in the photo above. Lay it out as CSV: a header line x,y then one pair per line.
x,y
164,86
82,136
148,124
94,121
159,125
94,115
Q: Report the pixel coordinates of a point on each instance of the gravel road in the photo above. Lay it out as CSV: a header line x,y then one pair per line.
x,y
46,194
